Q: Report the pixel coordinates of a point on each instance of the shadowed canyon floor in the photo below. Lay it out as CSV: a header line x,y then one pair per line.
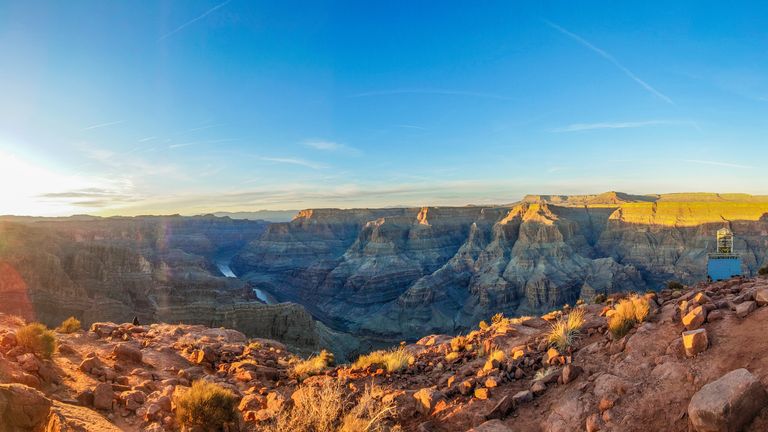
x,y
505,376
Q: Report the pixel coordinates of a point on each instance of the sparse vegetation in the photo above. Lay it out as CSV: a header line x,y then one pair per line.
x,y
674,285
763,271
628,312
600,298
497,318
451,356
313,365
459,343
565,331
483,325
69,325
206,405
36,338
391,360
328,407
496,354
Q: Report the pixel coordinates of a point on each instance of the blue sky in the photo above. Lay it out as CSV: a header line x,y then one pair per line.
x,y
196,106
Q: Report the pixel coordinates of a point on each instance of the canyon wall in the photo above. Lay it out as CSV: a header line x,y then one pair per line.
x,y
401,273
159,269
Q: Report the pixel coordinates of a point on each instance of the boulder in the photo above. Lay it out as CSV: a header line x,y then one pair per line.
x,y
761,296
695,342
22,407
91,364
427,398
727,404
103,329
745,308
502,409
128,353
570,373
538,388
103,396
132,399
522,397
695,318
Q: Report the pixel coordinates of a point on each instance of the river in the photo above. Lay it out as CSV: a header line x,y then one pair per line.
x,y
223,265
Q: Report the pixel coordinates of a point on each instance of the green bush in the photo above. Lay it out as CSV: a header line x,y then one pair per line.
x,y
206,405
36,338
763,271
69,325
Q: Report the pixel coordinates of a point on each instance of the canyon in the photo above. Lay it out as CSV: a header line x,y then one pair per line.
x,y
355,279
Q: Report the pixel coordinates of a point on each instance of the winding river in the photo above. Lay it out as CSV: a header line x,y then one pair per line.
x,y
222,263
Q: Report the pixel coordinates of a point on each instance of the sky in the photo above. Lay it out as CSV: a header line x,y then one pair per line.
x,y
195,106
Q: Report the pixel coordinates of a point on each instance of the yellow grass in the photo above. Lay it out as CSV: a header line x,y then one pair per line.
x,y
36,338
313,365
205,405
69,325
392,360
627,312
564,332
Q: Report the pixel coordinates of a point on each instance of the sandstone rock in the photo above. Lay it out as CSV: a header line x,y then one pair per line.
x,y
128,353
22,408
91,363
492,426
482,393
594,423
761,296
427,398
491,383
714,315
727,404
745,308
570,373
103,396
695,342
502,409
538,388
103,329
522,397
466,387
132,399
609,386
695,318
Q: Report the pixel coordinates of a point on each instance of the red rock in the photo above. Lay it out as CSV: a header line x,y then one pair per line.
x,y
570,373
745,308
502,409
22,408
522,397
761,296
427,398
103,396
695,342
727,404
492,426
127,352
695,318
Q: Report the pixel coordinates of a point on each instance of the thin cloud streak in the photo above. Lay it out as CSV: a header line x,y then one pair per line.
x,y
611,59
447,92
293,161
101,125
716,163
330,146
576,127
194,20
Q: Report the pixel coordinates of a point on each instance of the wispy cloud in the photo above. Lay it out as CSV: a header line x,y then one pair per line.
x,y
717,163
180,145
194,20
330,146
447,92
407,126
145,139
576,127
611,59
293,161
101,125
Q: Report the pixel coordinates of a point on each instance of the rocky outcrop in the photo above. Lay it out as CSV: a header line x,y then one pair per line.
x,y
402,273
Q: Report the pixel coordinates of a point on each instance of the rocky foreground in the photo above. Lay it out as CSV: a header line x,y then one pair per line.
x,y
698,359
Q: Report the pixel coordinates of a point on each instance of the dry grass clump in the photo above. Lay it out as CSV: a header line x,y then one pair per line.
x,y
498,318
564,332
483,325
329,408
763,271
36,338
69,325
626,313
600,298
391,360
313,365
206,405
459,343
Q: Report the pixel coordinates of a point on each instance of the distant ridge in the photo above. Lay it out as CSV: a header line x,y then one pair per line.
x,y
265,215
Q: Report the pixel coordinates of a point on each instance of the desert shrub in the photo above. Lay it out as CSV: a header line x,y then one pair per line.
x,y
763,271
674,285
600,298
580,302
391,360
329,407
313,365
497,318
459,343
483,325
69,325
206,405
36,338
564,332
626,313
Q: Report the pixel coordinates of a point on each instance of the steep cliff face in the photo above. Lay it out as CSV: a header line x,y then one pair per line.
x,y
160,269
403,273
